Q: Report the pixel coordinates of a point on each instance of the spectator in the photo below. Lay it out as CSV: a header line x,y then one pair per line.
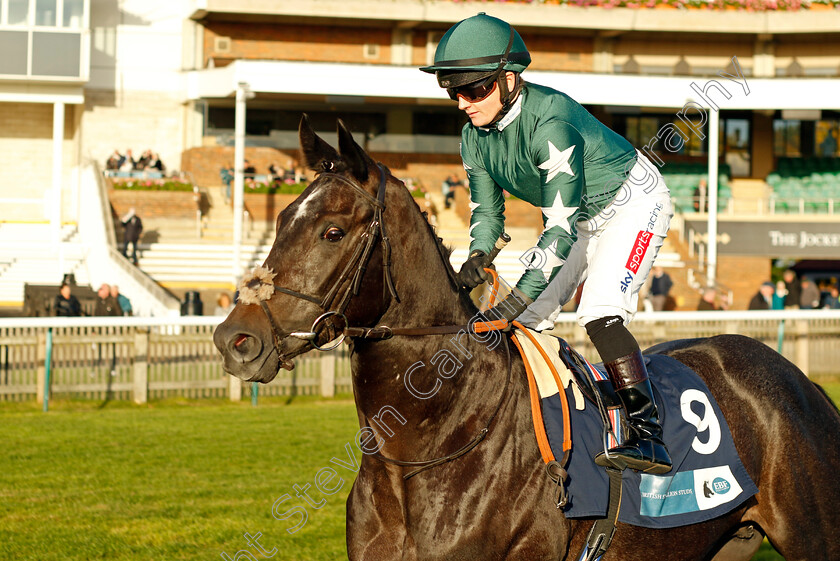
x,y
155,163
794,290
448,188
122,300
133,227
115,161
227,178
143,162
128,163
223,305
66,305
832,301
763,299
249,170
809,299
779,295
707,301
660,287
701,195
106,305
277,173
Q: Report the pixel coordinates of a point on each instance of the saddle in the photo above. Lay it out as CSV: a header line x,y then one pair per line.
x,y
708,478
598,390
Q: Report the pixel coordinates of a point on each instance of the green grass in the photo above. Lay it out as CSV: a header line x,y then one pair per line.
x,y
181,480
174,480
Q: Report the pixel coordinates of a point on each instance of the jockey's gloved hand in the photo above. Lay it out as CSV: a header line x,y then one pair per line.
x,y
472,271
510,307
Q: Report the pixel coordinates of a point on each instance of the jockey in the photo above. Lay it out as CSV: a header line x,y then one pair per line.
x,y
606,210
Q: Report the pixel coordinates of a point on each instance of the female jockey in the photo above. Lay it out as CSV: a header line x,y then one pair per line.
x,y
606,210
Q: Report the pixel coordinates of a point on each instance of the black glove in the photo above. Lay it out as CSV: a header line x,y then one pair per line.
x,y
510,308
472,271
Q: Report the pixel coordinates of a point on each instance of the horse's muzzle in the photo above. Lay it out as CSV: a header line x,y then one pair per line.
x,y
244,353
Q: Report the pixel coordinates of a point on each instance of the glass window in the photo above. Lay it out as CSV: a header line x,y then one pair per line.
x,y
56,54
45,12
786,138
73,10
737,146
14,43
826,136
18,12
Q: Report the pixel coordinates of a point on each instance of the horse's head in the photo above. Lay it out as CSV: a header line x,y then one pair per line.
x,y
329,257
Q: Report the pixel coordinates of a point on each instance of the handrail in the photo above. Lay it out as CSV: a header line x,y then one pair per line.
x,y
105,206
153,288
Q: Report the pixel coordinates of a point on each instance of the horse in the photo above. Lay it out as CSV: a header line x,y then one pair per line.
x,y
481,491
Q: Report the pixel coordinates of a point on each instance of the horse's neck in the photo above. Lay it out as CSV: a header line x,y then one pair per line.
x,y
439,380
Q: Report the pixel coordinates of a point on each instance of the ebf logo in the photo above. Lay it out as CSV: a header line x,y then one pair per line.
x,y
721,486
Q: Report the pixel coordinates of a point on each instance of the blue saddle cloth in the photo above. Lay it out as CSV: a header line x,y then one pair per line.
x,y
707,480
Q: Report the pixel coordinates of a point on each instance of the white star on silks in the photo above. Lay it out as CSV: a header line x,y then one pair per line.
x,y
557,162
558,214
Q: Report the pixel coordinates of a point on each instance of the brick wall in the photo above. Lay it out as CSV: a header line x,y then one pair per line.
x,y
548,52
263,207
284,41
518,213
429,169
206,162
157,204
323,43
743,275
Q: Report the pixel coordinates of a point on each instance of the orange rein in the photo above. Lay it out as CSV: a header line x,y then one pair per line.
x,y
536,410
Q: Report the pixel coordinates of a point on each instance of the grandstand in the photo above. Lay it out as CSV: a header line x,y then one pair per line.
x,y
765,75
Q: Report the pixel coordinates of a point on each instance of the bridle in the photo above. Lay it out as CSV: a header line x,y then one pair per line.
x,y
260,282
354,271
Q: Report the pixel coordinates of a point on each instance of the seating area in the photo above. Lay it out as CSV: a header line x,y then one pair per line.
x,y
806,185
683,179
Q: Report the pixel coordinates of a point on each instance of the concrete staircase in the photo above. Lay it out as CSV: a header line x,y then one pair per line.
x,y
28,257
180,254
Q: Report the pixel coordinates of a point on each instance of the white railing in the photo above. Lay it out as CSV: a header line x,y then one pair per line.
x,y
141,358
765,206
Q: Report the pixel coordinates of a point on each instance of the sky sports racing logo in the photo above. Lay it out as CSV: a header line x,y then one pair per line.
x,y
638,251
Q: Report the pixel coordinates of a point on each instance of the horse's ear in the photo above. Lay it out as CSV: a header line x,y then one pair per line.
x,y
353,155
318,155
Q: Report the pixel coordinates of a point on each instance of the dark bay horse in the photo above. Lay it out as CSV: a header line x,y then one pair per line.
x,y
495,502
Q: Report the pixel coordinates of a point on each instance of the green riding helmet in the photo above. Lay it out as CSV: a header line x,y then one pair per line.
x,y
477,48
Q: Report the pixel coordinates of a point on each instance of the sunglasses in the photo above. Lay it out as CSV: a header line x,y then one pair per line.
x,y
474,92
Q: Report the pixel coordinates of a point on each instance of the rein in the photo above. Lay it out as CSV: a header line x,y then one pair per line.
x,y
258,288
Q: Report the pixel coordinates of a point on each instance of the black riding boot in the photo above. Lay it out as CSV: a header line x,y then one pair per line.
x,y
643,450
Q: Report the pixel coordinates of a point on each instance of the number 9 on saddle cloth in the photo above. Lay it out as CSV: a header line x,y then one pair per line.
x,y
707,479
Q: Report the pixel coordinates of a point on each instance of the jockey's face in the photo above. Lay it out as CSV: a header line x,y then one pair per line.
x,y
482,113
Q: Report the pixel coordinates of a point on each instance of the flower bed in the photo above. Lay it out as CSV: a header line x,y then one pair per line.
x,y
287,187
136,184
746,5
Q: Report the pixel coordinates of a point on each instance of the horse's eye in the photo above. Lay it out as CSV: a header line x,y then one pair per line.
x,y
333,234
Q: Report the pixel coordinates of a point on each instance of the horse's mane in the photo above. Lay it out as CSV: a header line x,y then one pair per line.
x,y
445,252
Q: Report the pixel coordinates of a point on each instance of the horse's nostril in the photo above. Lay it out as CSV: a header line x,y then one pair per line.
x,y
239,340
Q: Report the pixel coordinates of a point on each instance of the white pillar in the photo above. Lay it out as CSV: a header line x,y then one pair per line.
x,y
714,132
238,179
58,157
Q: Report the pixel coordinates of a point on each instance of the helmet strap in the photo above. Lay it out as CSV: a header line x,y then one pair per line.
x,y
505,95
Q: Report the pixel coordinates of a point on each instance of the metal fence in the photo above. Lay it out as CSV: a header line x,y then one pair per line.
x,y
155,358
